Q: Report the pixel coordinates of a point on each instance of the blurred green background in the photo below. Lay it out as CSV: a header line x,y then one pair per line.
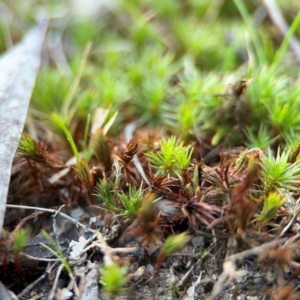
x,y
171,64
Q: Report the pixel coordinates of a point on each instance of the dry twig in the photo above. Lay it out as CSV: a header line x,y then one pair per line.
x,y
229,267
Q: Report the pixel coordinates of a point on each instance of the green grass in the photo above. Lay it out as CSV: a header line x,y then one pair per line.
x,y
113,279
56,251
172,158
131,66
172,65
278,173
124,205
59,122
271,205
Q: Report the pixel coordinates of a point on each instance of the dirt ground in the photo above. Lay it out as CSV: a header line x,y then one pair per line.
x,y
190,273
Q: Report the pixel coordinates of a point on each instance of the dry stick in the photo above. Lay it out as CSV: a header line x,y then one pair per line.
x,y
286,228
33,284
103,246
214,236
52,292
280,22
108,250
295,215
76,290
229,264
53,211
185,276
192,289
54,226
193,255
56,212
203,233
291,240
58,244
27,256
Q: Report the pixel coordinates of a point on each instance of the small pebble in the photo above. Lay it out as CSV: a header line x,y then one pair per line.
x,y
257,280
149,269
214,277
139,273
198,241
65,294
240,279
172,279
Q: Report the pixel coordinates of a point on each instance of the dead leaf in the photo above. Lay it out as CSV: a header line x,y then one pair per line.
x,y
18,69
5,294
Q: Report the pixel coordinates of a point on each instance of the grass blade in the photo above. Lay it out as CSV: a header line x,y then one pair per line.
x,y
253,32
285,43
